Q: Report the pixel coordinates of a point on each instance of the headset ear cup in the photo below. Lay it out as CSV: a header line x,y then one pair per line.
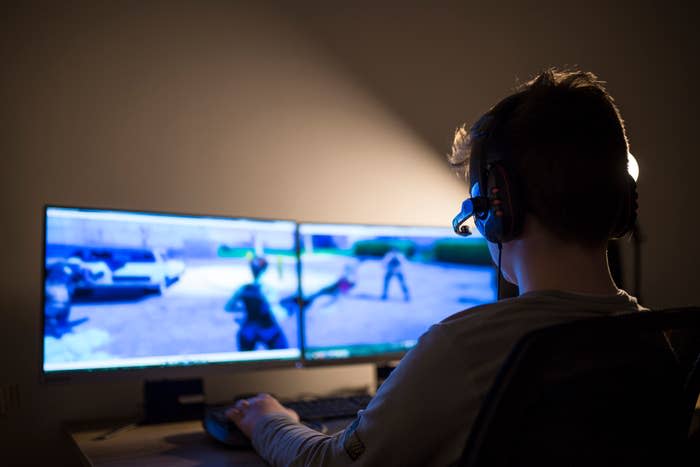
x,y
628,211
503,222
479,219
479,223
635,205
514,204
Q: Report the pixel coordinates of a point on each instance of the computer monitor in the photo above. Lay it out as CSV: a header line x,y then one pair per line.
x,y
127,289
369,292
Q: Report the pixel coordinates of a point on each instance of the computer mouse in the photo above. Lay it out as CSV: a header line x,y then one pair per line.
x,y
224,430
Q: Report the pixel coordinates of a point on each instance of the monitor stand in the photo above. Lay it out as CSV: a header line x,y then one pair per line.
x,y
173,400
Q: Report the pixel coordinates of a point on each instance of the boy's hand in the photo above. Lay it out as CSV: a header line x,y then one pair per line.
x,y
248,412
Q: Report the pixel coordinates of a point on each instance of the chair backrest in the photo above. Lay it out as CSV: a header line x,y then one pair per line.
x,y
683,331
596,392
682,326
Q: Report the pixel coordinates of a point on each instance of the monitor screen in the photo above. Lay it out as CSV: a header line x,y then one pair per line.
x,y
130,289
371,291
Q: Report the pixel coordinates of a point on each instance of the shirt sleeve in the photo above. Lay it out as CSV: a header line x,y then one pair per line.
x,y
420,412
283,442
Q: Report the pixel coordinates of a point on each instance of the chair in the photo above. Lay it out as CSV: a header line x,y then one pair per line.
x,y
682,326
693,390
605,391
684,334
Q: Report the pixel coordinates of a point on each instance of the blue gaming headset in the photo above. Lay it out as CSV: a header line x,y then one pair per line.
x,y
495,194
496,198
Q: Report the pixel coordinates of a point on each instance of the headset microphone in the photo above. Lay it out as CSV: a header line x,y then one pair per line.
x,y
470,207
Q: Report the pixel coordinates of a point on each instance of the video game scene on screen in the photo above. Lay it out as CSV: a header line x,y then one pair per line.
x,y
128,289
371,290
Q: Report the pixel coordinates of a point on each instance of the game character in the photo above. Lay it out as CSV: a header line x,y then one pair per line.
x,y
60,283
252,311
393,266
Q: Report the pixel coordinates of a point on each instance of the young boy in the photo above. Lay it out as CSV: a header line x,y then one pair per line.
x,y
548,176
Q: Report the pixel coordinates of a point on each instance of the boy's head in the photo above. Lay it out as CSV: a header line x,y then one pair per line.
x,y
565,144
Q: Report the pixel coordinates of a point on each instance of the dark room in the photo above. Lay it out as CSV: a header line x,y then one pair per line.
x,y
328,233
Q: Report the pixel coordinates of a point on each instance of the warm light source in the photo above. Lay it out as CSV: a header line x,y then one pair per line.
x,y
632,166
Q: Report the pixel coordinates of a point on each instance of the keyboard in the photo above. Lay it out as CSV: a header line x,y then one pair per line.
x,y
311,412
329,408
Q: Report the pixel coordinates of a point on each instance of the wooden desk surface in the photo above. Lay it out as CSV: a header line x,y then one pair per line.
x,y
169,444
181,444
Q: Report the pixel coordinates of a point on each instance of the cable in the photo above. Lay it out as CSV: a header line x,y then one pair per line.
x,y
498,278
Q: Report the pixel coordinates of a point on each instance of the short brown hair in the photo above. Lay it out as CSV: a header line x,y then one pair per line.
x,y
567,145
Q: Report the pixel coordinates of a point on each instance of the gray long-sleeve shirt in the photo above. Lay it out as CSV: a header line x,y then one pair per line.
x,y
423,412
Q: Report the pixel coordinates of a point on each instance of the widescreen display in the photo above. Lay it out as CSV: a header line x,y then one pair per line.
x,y
373,290
129,289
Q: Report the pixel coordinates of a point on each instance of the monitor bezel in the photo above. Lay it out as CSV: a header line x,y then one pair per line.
x,y
157,371
380,358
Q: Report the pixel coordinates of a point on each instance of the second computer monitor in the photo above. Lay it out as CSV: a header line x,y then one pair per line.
x,y
371,291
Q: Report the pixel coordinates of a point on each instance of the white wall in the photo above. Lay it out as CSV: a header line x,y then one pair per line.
x,y
311,112
216,109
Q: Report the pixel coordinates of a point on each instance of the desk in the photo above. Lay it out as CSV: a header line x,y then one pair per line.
x,y
184,444
181,444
